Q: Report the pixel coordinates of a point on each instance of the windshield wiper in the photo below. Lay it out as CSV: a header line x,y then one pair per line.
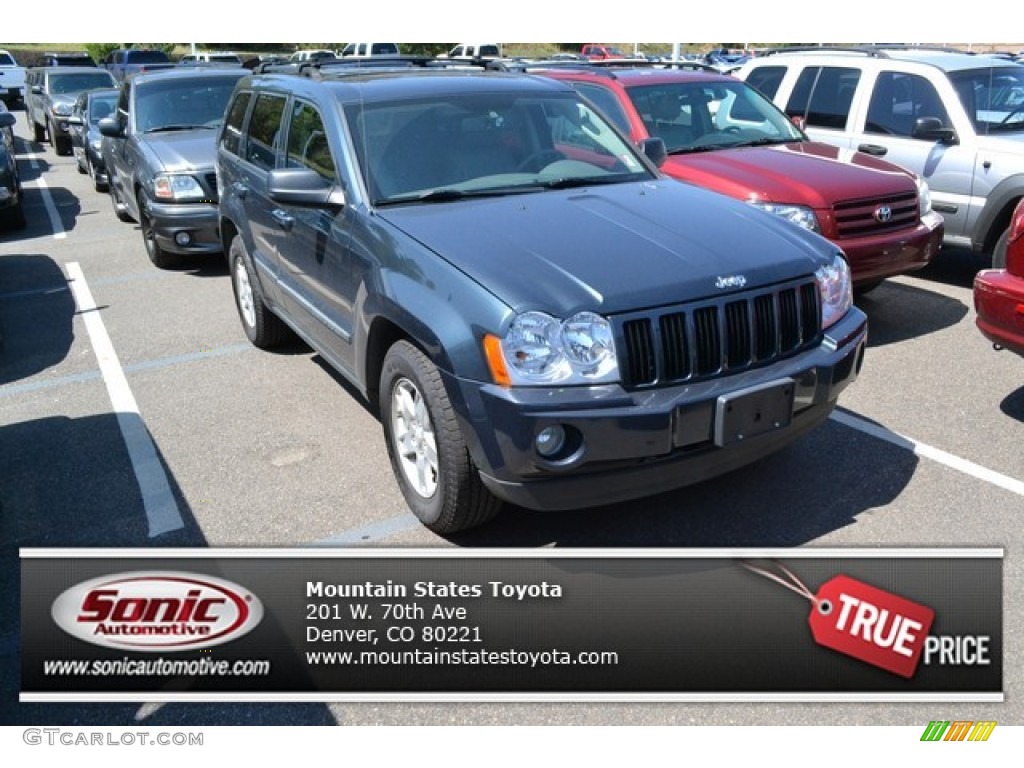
x,y
569,182
762,142
182,127
1006,123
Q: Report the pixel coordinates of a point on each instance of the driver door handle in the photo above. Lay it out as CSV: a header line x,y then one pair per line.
x,y
873,149
284,221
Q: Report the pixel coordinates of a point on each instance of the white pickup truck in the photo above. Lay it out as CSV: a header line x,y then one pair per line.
x,y
12,79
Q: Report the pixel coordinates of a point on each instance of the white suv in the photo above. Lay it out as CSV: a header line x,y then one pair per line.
x,y
951,117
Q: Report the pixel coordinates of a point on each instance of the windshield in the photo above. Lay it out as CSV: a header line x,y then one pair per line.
x,y
700,116
145,57
992,97
182,103
486,144
80,82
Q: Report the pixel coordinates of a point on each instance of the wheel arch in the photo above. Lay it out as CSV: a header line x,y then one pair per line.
x,y
995,216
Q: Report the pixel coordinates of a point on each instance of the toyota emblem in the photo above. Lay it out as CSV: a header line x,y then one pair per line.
x,y
884,214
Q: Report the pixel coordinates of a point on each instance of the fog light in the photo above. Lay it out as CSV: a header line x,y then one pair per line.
x,y
550,441
183,238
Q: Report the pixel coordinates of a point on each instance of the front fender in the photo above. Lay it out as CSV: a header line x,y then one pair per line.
x,y
995,216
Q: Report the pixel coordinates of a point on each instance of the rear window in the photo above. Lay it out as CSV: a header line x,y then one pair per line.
x,y
384,49
823,95
7,61
146,57
767,80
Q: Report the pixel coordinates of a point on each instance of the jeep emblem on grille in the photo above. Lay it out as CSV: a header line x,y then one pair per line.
x,y
733,281
883,214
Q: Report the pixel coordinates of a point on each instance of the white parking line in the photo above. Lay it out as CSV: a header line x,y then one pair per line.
x,y
51,208
161,509
929,452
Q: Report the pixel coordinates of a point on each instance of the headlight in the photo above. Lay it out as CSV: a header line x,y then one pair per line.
x,y
798,214
169,187
62,108
924,197
836,291
542,350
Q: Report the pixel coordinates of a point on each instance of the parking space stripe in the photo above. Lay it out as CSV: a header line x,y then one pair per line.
x,y
161,509
51,208
929,452
368,534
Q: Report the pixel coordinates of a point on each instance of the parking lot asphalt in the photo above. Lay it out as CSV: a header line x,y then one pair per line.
x,y
133,412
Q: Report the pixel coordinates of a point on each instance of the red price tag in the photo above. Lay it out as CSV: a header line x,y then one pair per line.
x,y
870,624
862,621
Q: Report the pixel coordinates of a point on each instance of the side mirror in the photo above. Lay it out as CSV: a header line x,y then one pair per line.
x,y
7,120
932,129
799,121
654,149
303,186
110,127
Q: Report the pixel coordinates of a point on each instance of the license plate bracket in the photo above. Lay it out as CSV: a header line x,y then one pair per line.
x,y
754,411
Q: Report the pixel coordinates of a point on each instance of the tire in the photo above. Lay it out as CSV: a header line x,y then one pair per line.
x,y
83,168
428,454
160,258
999,252
262,327
38,132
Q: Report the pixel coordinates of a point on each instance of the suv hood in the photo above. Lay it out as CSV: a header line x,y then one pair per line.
x,y
182,150
798,173
613,248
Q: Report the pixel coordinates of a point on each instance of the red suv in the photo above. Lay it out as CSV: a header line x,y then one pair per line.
x,y
722,134
597,51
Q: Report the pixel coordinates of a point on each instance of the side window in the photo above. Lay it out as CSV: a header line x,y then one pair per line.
x,y
231,137
605,101
767,80
264,130
823,95
122,105
898,100
307,142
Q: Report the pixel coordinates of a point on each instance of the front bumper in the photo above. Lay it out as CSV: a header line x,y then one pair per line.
x,y
198,221
626,445
999,302
879,256
60,126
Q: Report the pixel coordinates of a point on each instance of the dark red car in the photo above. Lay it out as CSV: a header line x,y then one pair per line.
x,y
722,134
999,293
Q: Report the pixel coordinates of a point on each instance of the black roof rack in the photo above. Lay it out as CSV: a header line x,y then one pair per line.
x,y
332,67
878,50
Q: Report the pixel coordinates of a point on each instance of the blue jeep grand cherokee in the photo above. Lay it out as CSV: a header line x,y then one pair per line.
x,y
539,316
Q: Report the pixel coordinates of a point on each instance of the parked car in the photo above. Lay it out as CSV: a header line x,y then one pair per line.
x,y
211,57
51,97
955,119
598,52
159,153
999,293
12,79
12,210
473,51
125,62
312,54
86,139
539,315
723,135
370,49
66,59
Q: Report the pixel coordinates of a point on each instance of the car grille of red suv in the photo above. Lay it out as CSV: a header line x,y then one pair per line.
x,y
713,338
857,218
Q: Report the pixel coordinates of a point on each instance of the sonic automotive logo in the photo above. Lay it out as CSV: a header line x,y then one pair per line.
x,y
157,611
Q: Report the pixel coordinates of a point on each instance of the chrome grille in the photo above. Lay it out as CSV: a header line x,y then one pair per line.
x,y
718,337
857,218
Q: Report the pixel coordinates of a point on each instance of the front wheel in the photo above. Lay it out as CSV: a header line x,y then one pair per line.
x,y
428,454
38,132
160,258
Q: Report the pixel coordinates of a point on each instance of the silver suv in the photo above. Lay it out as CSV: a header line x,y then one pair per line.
x,y
954,118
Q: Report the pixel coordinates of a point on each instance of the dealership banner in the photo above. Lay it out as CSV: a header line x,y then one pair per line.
x,y
365,624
